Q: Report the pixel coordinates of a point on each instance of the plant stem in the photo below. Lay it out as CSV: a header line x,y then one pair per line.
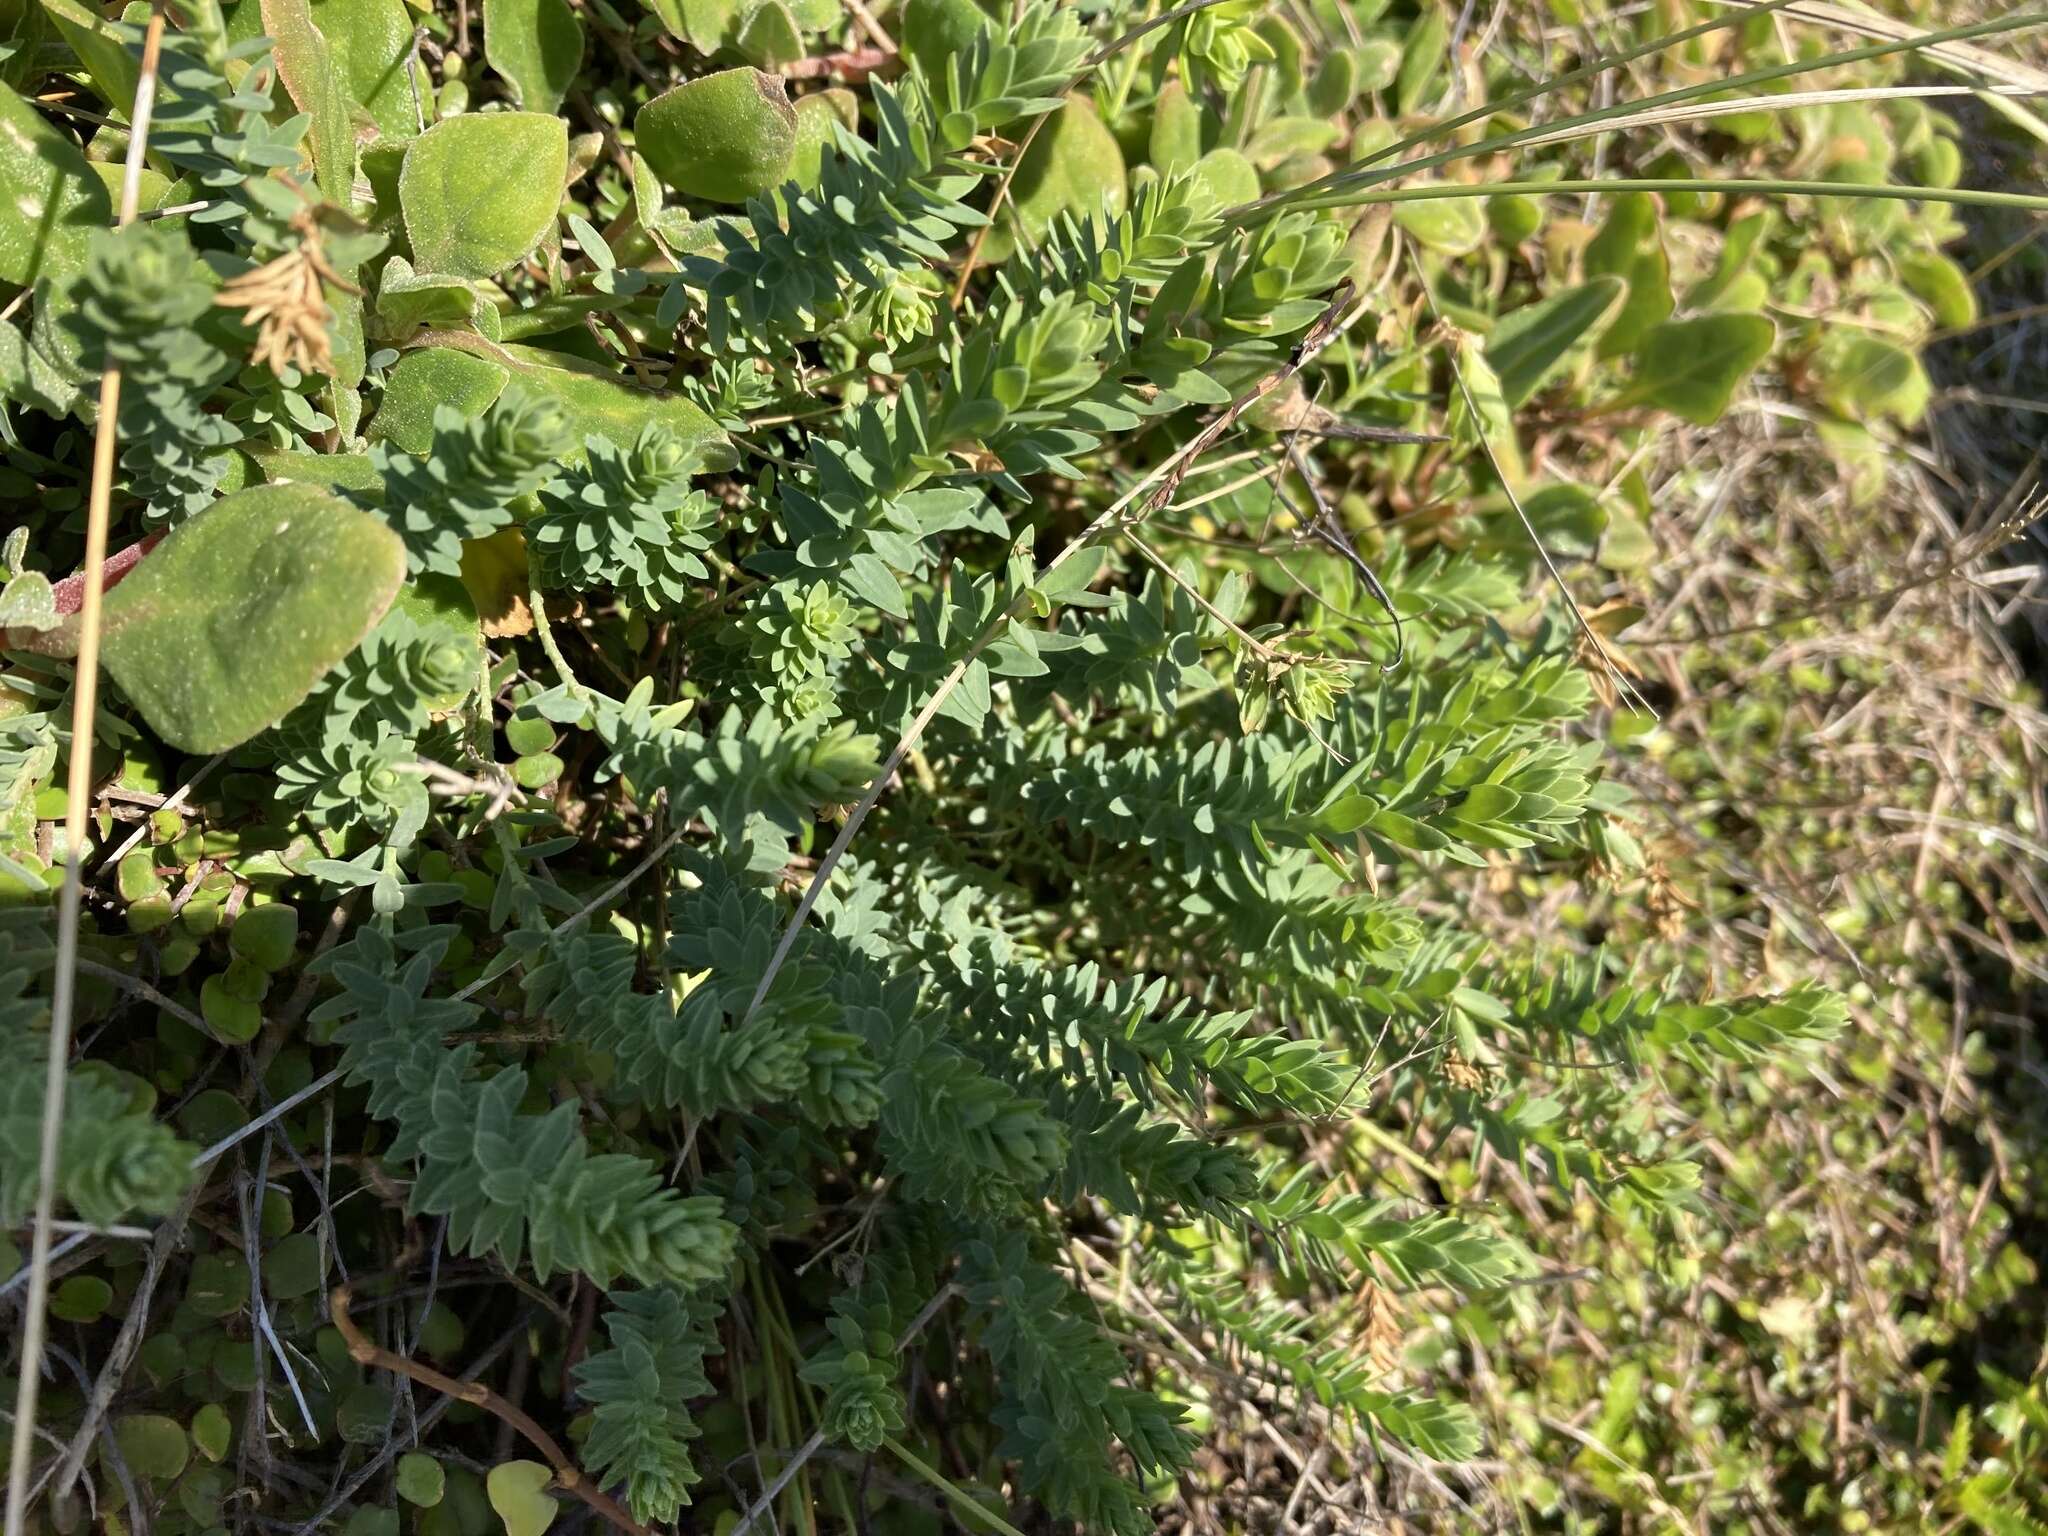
x,y
567,1474
1257,647
77,810
538,602
956,1495
1962,196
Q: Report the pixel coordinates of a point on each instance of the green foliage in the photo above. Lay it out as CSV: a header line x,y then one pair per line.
x,y
53,204
627,518
724,138
537,45
235,617
748,771
479,192
1064,1406
465,486
886,207
638,1387
145,304
519,1496
115,1160
513,1184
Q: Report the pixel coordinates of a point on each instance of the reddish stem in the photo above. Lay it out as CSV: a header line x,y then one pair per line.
x,y
70,592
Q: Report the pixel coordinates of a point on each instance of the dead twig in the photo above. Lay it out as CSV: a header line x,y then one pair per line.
x,y
568,1475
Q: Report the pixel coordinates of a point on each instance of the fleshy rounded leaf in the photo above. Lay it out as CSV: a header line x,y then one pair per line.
x,y
723,138
229,622
477,192
420,1480
1692,368
594,402
537,45
153,1445
265,936
517,1491
211,1431
1074,166
49,203
1230,178
816,117
935,31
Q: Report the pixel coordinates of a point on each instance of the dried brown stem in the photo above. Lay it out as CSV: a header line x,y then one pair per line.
x,y
568,1475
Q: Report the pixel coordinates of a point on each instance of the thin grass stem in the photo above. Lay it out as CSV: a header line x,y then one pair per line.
x,y
1622,113
77,816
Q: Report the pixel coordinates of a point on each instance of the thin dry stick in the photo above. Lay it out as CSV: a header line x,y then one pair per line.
x,y
270,1117
111,864
567,1474
1125,513
995,210
84,706
872,27
143,990
395,1445
1628,690
127,1341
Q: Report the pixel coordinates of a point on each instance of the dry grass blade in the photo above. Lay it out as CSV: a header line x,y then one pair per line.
x,y
1728,186
1660,117
1971,61
1347,187
1604,65
84,708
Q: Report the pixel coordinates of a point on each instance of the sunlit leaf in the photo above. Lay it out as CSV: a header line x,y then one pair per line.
x,y
230,621
479,191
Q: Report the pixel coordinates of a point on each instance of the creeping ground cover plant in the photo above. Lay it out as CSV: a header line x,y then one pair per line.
x,y
745,748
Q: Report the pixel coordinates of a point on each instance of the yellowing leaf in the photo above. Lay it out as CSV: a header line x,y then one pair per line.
x,y
1788,1317
494,571
516,1493
306,65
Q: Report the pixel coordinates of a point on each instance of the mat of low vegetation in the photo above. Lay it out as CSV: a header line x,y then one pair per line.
x,y
900,767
